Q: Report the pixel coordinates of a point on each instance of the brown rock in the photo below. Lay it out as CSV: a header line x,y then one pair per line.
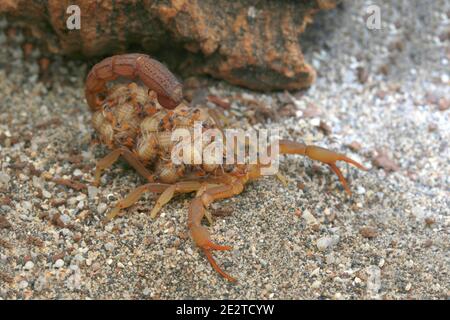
x,y
382,160
4,223
355,146
443,104
368,232
325,127
253,44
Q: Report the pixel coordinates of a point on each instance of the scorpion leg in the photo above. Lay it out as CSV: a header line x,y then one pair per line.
x,y
321,154
134,196
112,157
167,192
181,187
167,195
197,211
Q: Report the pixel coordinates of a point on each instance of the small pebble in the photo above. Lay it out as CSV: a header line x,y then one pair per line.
x,y
23,284
29,265
316,284
368,232
101,208
46,194
327,242
92,192
59,263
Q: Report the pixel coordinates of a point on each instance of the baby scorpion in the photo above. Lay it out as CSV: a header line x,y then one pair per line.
x,y
137,124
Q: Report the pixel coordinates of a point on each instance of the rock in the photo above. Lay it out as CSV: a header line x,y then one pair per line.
x,y
46,194
256,46
109,246
29,265
65,219
360,190
147,291
4,179
311,221
59,263
23,284
368,232
327,242
382,160
40,283
4,223
101,208
92,192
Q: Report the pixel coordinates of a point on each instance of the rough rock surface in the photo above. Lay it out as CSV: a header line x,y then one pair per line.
x,y
255,45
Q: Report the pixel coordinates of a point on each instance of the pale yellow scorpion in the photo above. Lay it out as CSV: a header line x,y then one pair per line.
x,y
137,123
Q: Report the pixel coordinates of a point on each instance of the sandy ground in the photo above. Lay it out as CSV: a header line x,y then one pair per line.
x,y
382,97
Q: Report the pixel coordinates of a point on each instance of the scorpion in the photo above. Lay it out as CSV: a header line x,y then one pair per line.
x,y
136,123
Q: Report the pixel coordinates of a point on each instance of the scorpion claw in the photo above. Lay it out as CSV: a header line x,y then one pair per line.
x,y
215,266
202,239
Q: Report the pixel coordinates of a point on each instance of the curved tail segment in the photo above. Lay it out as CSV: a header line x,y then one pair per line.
x,y
150,71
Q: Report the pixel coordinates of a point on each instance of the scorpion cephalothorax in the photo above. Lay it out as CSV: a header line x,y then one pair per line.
x,y
138,124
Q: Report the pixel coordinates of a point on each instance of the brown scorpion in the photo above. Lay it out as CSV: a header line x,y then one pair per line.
x,y
137,123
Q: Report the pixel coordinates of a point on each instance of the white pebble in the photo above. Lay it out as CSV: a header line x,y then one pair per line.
x,y
360,190
29,265
327,242
4,179
74,267
78,173
46,194
310,219
109,246
23,284
315,272
64,218
101,208
38,182
92,192
80,205
146,291
27,205
59,263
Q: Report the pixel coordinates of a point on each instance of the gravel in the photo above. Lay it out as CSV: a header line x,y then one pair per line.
x,y
381,97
